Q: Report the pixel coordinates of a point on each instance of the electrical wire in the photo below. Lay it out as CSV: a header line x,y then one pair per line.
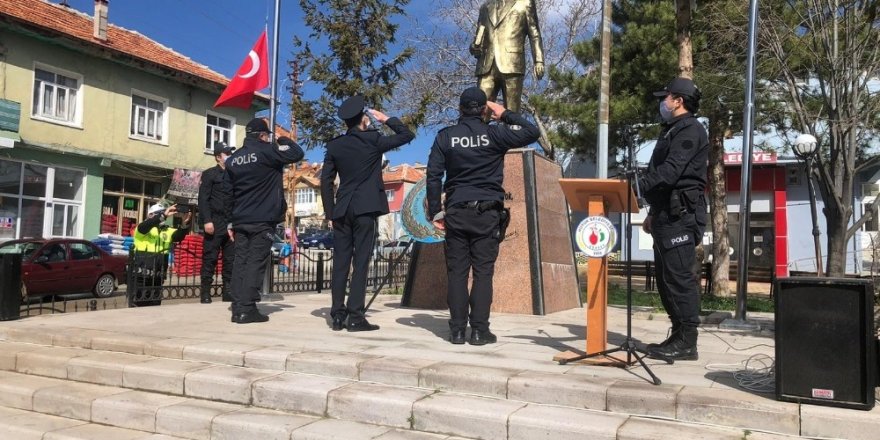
x,y
756,374
704,330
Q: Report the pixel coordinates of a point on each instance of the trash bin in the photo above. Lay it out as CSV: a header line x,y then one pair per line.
x,y
10,286
145,276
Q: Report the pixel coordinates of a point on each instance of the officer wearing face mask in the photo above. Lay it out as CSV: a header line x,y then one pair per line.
x,y
674,187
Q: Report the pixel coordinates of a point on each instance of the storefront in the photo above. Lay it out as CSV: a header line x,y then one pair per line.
x,y
125,202
38,200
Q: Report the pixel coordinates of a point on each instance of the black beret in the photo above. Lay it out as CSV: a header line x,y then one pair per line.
x,y
351,107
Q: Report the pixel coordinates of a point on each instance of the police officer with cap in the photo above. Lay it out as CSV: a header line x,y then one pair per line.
x,y
471,155
254,175
353,208
674,187
214,202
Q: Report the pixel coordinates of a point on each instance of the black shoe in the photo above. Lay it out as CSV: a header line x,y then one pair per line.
x,y
206,300
338,324
671,337
362,326
482,337
456,337
682,348
249,317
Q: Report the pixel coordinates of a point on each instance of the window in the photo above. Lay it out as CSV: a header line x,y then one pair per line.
x,y
793,175
147,118
56,96
219,129
389,194
870,225
305,196
82,251
125,203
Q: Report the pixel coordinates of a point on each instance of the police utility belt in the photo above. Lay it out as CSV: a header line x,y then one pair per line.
x,y
682,202
480,206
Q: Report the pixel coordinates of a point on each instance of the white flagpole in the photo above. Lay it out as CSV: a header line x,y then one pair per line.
x,y
274,77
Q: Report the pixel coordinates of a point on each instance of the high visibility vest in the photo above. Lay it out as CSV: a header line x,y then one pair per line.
x,y
157,240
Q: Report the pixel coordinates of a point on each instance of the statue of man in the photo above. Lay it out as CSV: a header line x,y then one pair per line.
x,y
499,47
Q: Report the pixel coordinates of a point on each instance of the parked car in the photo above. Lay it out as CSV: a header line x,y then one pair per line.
x,y
277,244
65,265
320,240
393,248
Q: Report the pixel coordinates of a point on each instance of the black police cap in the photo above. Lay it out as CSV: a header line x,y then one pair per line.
x,y
351,107
472,97
221,147
680,86
257,125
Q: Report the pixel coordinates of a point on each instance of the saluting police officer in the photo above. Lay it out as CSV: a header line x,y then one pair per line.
x,y
254,173
471,155
360,199
674,187
214,202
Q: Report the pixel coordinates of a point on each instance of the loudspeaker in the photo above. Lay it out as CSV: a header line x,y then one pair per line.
x,y
826,351
10,286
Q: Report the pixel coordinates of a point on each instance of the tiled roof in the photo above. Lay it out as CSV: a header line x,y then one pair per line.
x,y
54,19
402,173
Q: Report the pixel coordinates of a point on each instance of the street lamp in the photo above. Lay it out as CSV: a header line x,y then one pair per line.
x,y
805,147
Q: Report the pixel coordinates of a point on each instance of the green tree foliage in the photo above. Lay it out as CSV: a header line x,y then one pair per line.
x,y
358,35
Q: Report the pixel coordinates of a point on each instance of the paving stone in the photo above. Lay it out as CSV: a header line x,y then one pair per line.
x,y
227,384
71,400
394,371
191,419
171,348
335,364
468,416
330,429
133,409
257,424
374,403
640,398
559,389
400,434
30,335
102,368
5,411
92,431
301,393
17,390
737,408
123,342
651,429
51,361
541,421
76,337
826,421
225,353
162,375
486,381
270,358
33,426
10,350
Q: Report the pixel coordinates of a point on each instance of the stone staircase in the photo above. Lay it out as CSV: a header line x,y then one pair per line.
x,y
65,382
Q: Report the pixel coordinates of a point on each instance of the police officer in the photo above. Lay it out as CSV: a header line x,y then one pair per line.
x,y
674,187
254,175
354,207
152,244
214,202
471,155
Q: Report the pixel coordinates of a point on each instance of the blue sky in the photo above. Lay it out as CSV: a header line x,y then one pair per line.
x,y
219,34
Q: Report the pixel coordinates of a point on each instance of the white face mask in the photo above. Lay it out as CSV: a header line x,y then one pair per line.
x,y
665,111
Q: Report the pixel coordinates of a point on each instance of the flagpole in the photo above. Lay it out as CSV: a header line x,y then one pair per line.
x,y
274,79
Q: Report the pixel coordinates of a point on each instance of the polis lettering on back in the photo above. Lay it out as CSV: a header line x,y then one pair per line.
x,y
470,141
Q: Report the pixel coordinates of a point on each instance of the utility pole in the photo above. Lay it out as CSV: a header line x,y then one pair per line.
x,y
292,178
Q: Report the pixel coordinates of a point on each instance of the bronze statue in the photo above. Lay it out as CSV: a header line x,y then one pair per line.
x,y
499,47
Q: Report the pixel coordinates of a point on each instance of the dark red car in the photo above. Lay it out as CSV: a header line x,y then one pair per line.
x,y
65,265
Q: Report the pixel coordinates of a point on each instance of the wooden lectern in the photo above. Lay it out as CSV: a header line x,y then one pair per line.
x,y
598,197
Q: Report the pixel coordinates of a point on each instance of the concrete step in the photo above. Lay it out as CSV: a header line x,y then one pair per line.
x,y
154,394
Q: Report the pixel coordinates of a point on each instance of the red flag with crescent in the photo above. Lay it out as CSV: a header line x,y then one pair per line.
x,y
253,75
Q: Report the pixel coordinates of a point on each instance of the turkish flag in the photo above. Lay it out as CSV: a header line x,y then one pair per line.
x,y
253,75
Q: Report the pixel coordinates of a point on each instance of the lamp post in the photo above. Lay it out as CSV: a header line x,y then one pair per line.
x,y
805,147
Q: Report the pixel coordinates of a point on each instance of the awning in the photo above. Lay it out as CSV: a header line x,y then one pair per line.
x,y
8,138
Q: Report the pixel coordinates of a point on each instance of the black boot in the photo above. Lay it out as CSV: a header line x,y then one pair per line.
x,y
226,296
676,327
682,348
205,294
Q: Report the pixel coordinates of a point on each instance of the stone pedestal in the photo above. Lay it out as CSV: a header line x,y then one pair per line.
x,y
535,272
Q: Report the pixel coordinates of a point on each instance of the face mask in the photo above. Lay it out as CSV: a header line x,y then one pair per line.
x,y
665,112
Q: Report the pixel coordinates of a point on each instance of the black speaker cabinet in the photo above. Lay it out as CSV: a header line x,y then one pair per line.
x,y
826,351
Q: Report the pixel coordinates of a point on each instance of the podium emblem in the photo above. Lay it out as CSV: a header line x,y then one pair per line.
x,y
596,236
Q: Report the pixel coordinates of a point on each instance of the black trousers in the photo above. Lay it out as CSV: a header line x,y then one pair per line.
x,y
354,237
471,244
253,243
213,244
675,241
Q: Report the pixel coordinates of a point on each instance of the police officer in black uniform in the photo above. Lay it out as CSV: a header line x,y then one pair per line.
x,y
214,202
471,155
674,187
354,207
254,175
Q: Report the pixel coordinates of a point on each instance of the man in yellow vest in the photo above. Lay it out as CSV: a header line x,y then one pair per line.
x,y
149,262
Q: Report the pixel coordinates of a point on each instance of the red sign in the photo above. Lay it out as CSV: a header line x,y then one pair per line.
x,y
760,157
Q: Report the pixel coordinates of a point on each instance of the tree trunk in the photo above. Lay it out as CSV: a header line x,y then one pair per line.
x,y
836,223
683,35
718,206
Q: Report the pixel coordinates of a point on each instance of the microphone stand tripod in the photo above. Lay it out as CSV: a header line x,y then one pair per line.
x,y
628,345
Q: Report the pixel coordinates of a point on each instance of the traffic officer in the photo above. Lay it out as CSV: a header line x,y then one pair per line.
x,y
674,187
214,202
254,175
149,261
354,207
471,155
